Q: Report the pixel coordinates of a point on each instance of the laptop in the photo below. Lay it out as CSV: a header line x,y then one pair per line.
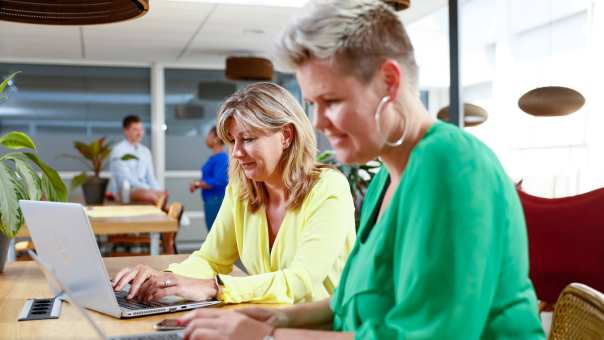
x,y
65,294
63,238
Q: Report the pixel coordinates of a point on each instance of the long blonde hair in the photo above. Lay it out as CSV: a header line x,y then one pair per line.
x,y
268,107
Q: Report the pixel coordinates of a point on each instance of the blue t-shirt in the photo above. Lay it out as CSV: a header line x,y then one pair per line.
x,y
215,173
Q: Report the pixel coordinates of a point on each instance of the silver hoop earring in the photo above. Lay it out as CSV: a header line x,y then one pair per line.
x,y
378,114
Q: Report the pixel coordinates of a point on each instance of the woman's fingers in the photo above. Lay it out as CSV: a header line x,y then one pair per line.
x,y
143,273
119,276
147,287
124,280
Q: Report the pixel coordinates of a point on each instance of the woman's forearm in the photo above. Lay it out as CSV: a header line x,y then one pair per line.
x,y
315,315
304,334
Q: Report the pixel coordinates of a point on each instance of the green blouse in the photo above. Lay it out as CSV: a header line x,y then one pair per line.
x,y
448,258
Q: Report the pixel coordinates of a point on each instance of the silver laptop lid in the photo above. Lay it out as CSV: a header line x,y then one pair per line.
x,y
63,237
64,292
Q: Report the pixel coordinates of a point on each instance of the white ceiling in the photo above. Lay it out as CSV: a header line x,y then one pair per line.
x,y
173,32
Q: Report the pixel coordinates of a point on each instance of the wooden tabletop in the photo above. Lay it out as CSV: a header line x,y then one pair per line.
x,y
120,219
23,280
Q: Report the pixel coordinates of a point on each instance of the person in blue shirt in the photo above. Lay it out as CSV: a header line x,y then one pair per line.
x,y
135,174
214,178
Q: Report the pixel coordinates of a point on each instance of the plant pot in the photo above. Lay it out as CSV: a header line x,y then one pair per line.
x,y
4,242
94,190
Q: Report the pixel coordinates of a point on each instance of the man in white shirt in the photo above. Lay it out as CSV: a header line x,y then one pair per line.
x,y
135,176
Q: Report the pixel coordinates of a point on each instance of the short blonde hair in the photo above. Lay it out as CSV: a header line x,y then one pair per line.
x,y
355,35
267,107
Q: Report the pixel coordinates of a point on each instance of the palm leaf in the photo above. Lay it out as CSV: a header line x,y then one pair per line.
x,y
17,140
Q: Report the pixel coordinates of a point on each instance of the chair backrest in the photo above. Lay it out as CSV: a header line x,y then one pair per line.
x,y
176,210
566,241
579,314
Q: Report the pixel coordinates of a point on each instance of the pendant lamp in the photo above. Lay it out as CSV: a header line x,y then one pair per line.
x,y
398,5
249,68
551,101
71,12
473,114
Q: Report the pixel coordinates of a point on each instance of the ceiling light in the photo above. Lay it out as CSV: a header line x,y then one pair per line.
x,y
81,12
271,3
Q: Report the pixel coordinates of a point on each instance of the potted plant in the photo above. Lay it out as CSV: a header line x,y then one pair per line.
x,y
94,155
23,175
358,176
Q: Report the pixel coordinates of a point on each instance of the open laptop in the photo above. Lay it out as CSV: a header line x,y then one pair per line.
x,y
63,238
65,294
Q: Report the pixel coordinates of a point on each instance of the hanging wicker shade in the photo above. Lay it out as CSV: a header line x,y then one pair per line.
x,y
551,101
249,68
398,5
71,12
473,114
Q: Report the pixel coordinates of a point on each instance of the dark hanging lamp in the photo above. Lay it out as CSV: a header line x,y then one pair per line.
x,y
551,101
398,5
473,114
249,68
71,12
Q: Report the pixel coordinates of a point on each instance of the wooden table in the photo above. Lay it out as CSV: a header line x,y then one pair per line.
x,y
23,280
122,219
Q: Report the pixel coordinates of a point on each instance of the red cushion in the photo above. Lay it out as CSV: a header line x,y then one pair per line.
x,y
566,241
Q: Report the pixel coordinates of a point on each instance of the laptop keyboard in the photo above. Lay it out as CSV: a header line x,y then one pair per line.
x,y
135,304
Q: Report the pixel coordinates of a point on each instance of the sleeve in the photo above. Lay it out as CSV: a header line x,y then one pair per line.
x,y
328,224
219,251
219,174
447,258
121,172
150,174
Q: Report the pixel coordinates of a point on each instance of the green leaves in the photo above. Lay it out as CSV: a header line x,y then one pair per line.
x,y
95,152
78,180
128,157
17,140
10,218
56,190
19,178
5,83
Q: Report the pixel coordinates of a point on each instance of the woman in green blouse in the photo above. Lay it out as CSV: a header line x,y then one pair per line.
x,y
441,252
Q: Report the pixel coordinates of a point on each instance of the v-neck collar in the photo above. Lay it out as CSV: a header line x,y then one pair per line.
x,y
369,220
267,238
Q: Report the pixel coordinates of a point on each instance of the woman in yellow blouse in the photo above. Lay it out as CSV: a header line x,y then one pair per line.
x,y
289,219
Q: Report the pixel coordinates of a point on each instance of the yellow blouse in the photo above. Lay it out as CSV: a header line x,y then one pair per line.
x,y
308,254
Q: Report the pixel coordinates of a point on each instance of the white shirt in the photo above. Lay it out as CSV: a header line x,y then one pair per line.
x,y
138,172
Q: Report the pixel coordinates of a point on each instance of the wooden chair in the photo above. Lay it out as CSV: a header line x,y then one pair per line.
x,y
175,211
579,314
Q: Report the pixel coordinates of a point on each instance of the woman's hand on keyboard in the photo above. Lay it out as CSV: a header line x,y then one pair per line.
x,y
166,284
136,276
